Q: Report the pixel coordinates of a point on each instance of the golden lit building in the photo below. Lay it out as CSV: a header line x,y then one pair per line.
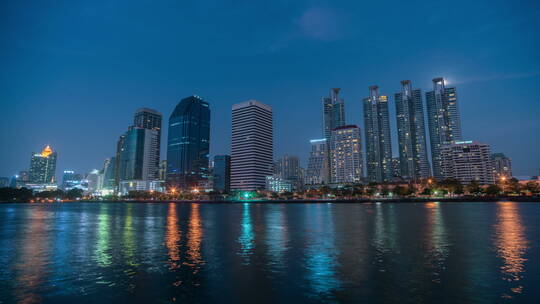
x,y
43,166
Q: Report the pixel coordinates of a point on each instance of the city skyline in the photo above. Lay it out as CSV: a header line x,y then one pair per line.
x,y
88,103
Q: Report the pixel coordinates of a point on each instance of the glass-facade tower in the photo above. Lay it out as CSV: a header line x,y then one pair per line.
x,y
443,120
413,160
378,140
188,143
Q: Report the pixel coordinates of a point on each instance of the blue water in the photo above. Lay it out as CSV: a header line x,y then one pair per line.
x,y
268,253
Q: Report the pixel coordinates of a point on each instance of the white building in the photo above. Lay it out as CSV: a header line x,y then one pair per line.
x,y
346,155
467,161
252,145
277,184
141,185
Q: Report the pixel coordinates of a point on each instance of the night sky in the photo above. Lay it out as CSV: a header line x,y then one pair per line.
x,y
72,73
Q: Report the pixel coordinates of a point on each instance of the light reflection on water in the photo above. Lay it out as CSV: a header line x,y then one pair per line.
x,y
389,253
511,245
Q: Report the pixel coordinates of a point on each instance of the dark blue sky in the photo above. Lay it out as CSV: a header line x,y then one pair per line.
x,y
72,73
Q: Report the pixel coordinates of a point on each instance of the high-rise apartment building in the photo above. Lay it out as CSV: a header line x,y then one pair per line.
x,y
252,147
188,144
288,168
317,171
378,140
43,167
413,157
222,173
467,161
333,113
443,120
346,155
502,166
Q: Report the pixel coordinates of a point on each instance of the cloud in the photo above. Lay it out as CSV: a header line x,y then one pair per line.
x,y
321,23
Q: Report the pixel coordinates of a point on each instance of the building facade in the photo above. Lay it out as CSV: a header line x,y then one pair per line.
x,y
150,119
252,147
275,183
444,121
43,167
413,158
71,180
138,154
346,155
188,144
288,168
378,140
222,173
318,172
467,161
333,113
502,166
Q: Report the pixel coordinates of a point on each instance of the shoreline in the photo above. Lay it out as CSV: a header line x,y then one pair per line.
x,y
461,199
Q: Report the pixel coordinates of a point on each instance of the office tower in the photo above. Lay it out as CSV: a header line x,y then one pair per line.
x,y
467,161
396,167
378,140
162,170
502,166
150,119
252,147
93,181
444,121
288,168
317,171
346,155
71,180
221,173
413,157
333,113
4,182
43,167
188,144
137,155
120,147
108,174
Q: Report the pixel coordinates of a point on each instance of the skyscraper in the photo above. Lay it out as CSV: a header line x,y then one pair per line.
x,y
333,113
346,155
137,159
252,147
317,170
467,161
443,120
222,173
413,157
43,167
188,143
502,166
150,119
378,140
288,168
71,180
108,173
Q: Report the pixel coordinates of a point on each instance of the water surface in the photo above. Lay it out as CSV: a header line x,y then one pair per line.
x,y
286,253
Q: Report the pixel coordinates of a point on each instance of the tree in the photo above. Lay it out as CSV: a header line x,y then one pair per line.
x,y
514,186
426,191
401,191
474,188
493,190
532,187
74,193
